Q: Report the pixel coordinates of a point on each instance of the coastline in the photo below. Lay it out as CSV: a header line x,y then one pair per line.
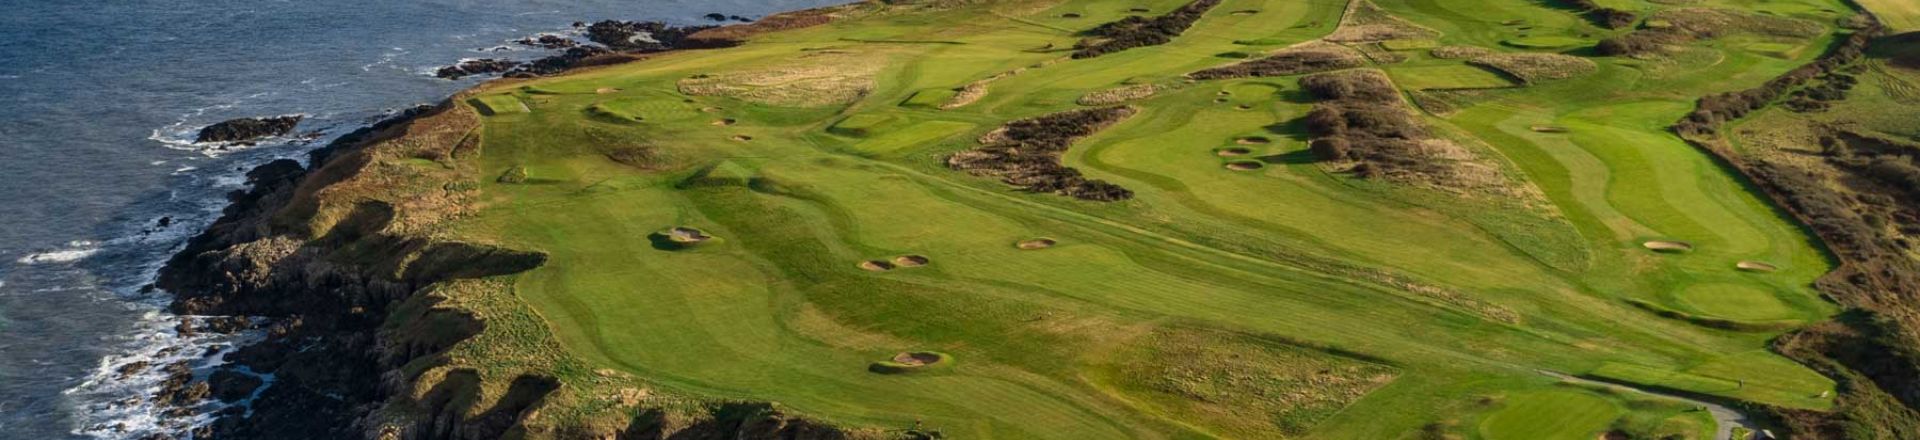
x,y
321,325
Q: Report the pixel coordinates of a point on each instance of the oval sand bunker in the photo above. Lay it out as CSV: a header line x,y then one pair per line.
x,y
911,261
1253,140
910,362
1036,244
1232,152
1245,166
876,265
1755,266
1668,246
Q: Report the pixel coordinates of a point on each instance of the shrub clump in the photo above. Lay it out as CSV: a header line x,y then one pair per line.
x,y
1536,67
1136,31
1604,16
1285,63
1691,24
1026,153
1361,120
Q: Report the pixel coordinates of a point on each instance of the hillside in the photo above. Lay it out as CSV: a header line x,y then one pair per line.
x,y
1071,219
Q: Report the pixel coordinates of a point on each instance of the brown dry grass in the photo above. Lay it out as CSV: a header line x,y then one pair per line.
x,y
1366,22
810,80
1536,67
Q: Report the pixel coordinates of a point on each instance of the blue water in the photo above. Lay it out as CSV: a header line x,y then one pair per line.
x,y
97,100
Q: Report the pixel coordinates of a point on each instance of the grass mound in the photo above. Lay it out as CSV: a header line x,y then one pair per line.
x,y
912,362
1736,301
861,125
929,98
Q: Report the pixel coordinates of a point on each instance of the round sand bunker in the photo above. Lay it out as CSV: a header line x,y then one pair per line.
x,y
679,237
1668,246
1245,165
911,261
1036,244
911,362
1755,266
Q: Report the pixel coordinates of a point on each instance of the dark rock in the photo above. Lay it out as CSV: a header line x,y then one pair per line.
x,y
247,129
573,57
232,386
132,368
717,16
481,66
547,41
640,36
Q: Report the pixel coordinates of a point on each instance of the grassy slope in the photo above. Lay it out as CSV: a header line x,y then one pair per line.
x,y
777,309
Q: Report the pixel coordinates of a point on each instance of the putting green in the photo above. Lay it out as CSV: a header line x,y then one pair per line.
x,y
1550,415
1735,301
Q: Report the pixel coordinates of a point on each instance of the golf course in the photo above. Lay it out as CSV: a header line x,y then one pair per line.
x,y
1043,219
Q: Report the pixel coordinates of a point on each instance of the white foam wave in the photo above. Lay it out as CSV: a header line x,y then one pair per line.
x,y
74,251
121,388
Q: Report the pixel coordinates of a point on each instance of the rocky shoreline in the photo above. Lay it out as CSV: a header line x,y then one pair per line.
x,y
326,278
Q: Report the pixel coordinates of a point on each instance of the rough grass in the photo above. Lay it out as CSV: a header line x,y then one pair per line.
x,y
1250,387
1899,15
1449,77
492,105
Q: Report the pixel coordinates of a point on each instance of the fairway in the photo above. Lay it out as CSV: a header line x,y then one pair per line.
x,y
914,217
1550,415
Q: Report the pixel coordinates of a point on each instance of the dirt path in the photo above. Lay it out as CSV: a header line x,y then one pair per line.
x,y
1724,418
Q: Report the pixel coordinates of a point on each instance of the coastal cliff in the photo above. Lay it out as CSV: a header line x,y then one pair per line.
x,y
372,314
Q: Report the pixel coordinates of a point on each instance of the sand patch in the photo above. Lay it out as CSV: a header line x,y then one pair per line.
x,y
1233,152
606,90
1253,140
1036,244
915,359
742,138
1246,12
1755,266
723,122
1668,246
1549,129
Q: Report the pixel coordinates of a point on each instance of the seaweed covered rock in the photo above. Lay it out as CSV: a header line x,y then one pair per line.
x,y
471,67
248,129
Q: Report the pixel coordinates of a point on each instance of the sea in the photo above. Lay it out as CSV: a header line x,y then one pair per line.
x,y
100,181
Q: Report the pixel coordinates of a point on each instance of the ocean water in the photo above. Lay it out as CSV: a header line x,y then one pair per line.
x,y
99,184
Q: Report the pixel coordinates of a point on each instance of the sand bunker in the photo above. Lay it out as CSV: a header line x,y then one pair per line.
x,y
742,137
1550,129
1244,107
1070,15
1246,12
684,234
606,90
1220,100
1139,10
911,261
711,109
1253,140
1668,246
1755,266
1232,152
915,358
724,122
876,265
1036,244
1245,166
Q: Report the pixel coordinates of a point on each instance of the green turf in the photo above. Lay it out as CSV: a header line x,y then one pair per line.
x,y
499,104
1306,265
1550,415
